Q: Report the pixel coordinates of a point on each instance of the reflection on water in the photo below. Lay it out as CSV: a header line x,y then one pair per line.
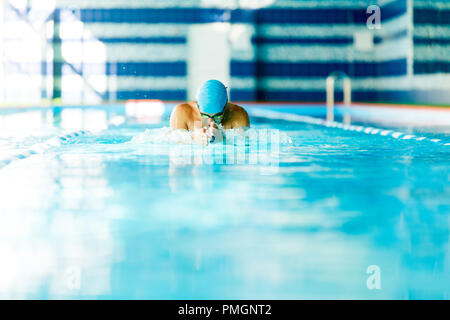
x,y
109,218
56,239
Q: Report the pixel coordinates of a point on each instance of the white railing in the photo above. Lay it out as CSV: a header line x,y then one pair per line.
x,y
331,79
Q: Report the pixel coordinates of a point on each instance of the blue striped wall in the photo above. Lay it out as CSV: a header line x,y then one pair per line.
x,y
293,46
431,49
432,31
328,41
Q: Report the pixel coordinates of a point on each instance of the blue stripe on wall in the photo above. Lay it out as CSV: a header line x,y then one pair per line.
x,y
206,15
431,67
243,95
311,16
431,41
325,41
393,10
328,15
309,40
394,36
431,16
151,15
318,69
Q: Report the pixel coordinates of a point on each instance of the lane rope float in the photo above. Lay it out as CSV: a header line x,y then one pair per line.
x,y
40,148
347,127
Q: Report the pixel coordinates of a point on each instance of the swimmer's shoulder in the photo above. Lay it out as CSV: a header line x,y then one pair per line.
x,y
186,107
235,116
232,107
184,114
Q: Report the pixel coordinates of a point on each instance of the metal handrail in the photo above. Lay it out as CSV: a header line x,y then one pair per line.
x,y
331,79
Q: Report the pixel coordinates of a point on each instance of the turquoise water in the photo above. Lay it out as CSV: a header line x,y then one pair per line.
x,y
116,214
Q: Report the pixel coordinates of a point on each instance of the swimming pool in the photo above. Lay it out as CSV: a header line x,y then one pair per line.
x,y
112,214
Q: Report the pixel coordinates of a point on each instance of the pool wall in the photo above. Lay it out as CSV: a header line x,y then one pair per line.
x,y
279,51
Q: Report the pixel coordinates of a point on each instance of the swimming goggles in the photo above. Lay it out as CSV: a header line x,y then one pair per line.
x,y
217,117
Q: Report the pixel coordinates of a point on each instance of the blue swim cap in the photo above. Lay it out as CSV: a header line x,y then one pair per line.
x,y
212,96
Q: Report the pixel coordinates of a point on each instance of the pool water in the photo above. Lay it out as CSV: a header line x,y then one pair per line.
x,y
117,214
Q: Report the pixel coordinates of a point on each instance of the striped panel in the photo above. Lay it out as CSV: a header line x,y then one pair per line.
x,y
289,40
300,56
431,37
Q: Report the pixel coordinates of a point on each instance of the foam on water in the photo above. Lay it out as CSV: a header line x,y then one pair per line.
x,y
167,135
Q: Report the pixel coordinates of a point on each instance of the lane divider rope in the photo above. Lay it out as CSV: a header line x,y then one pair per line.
x,y
334,124
42,147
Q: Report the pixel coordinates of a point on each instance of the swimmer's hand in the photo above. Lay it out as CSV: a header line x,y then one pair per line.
x,y
200,136
208,134
214,133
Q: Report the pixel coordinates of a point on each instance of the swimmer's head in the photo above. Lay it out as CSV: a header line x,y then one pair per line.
x,y
212,97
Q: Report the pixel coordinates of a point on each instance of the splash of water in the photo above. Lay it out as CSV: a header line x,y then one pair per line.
x,y
167,135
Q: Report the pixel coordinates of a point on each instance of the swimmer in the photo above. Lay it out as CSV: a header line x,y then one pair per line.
x,y
210,114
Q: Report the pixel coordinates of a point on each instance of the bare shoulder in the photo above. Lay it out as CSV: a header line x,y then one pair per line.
x,y
184,115
231,107
185,107
235,116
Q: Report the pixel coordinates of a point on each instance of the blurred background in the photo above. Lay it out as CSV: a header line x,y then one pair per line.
x,y
103,201
89,52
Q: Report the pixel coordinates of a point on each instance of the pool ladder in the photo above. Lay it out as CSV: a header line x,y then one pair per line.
x,y
331,79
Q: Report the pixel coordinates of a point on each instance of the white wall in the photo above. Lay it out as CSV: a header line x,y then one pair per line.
x,y
208,55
